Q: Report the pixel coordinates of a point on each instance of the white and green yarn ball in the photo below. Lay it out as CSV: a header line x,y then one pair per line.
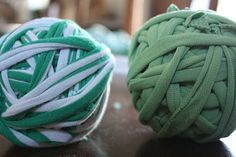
x,y
54,81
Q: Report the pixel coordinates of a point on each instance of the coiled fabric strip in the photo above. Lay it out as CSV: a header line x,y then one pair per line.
x,y
54,83
182,74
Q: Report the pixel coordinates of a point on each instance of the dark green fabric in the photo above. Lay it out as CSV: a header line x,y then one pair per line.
x,y
182,74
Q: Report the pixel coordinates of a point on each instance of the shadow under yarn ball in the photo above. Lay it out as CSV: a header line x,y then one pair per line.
x,y
182,147
86,148
54,83
182,74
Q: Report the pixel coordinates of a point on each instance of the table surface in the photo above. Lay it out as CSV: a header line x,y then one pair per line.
x,y
121,135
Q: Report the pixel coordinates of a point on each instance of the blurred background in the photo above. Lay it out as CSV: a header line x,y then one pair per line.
x,y
109,21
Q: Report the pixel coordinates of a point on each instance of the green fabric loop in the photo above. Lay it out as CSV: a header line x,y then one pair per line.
x,y
182,74
172,7
54,83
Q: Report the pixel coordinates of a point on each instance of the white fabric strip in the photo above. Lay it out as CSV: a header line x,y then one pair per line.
x,y
62,73
8,96
44,22
31,60
53,105
15,56
96,120
16,44
64,53
6,83
63,59
51,92
78,122
24,139
56,135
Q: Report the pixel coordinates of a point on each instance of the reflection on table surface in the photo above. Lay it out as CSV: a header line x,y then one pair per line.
x,y
121,135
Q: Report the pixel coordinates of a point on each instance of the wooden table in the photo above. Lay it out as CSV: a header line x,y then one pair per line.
x,y
121,135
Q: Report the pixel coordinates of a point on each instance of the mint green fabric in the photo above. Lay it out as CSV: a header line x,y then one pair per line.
x,y
118,41
182,74
54,83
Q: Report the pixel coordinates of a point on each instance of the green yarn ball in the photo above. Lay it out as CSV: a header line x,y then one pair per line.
x,y
54,83
182,74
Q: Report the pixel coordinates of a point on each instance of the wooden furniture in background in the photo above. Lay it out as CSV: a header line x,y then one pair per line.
x,y
213,4
160,6
7,12
137,8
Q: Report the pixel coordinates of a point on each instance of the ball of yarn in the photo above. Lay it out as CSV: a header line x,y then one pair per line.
x,y
54,83
182,74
